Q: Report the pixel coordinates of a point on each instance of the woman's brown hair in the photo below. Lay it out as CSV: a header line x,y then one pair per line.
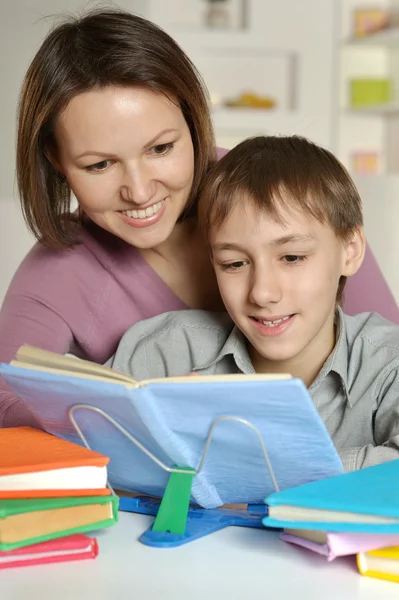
x,y
100,49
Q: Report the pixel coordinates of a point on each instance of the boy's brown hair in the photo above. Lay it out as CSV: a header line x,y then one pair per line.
x,y
278,174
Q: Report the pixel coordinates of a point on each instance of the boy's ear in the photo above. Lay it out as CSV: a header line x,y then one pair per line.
x,y
354,250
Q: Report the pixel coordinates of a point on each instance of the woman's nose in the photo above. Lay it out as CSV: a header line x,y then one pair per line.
x,y
137,185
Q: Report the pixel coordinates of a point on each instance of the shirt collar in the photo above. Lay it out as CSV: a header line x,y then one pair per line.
x,y
338,359
235,345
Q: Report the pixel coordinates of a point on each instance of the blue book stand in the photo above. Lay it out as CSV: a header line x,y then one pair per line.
x,y
200,521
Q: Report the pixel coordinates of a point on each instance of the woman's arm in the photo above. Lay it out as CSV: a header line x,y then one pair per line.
x,y
23,320
36,311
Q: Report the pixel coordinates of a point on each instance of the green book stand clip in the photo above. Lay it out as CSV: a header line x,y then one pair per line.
x,y
173,510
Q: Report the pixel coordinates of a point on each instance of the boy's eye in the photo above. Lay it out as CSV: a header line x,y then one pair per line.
x,y
100,166
293,258
162,149
234,266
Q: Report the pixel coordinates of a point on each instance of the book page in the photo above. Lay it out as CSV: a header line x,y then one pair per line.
x,y
29,357
215,378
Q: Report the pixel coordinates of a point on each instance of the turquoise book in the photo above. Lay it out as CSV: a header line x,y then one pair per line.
x,y
364,501
172,418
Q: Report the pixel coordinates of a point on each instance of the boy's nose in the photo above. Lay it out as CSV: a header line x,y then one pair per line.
x,y
266,288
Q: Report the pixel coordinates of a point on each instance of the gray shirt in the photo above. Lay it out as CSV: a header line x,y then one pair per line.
x,y
356,392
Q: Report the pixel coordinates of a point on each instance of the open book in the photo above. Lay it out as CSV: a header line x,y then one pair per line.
x,y
172,419
29,357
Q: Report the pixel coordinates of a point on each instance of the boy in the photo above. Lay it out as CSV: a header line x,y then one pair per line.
x,y
283,220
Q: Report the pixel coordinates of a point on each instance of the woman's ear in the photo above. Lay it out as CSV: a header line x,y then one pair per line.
x,y
354,250
51,155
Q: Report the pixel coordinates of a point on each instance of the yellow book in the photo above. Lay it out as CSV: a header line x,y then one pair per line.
x,y
382,564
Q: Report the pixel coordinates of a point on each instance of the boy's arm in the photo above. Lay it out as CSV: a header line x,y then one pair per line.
x,y
170,344
386,429
367,456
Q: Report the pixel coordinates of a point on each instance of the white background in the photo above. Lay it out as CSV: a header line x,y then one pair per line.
x,y
310,29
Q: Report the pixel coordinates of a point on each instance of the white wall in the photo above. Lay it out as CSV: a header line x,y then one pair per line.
x,y
381,223
23,24
282,53
15,241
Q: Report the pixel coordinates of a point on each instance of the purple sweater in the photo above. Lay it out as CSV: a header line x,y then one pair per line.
x,y
82,300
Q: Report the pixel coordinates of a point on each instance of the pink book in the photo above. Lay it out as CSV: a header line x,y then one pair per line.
x,y
73,547
332,545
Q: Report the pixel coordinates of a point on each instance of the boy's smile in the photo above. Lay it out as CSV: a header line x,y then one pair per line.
x,y
279,283
272,326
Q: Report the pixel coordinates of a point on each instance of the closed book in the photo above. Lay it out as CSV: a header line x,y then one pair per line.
x,y
73,547
34,463
364,501
381,564
331,545
26,522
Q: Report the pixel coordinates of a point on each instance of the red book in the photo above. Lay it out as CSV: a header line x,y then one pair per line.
x,y
73,547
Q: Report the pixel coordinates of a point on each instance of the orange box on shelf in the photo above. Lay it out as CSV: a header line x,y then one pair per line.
x,y
369,20
365,162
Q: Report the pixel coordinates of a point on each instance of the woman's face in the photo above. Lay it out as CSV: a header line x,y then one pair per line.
x,y
128,157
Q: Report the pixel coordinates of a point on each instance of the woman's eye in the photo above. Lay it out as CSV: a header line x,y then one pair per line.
x,y
162,149
100,166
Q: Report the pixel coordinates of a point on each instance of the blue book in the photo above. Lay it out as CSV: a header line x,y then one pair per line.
x,y
172,419
364,501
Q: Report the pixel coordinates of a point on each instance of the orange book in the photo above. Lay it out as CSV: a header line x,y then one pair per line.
x,y
35,464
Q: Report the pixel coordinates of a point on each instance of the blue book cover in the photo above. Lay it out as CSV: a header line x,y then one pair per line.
x,y
364,501
173,419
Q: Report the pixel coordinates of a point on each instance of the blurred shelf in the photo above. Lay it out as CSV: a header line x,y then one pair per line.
x,y
222,39
389,108
387,37
256,120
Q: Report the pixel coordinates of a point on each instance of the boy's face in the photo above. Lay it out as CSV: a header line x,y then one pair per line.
x,y
279,283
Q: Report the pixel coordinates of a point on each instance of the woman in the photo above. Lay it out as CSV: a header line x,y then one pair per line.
x,y
112,110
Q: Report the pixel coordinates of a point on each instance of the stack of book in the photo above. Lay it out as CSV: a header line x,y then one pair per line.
x,y
355,513
52,492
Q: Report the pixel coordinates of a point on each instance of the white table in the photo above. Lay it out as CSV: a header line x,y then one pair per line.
x,y
235,563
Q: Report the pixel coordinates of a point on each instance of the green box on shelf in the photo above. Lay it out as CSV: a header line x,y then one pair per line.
x,y
370,91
